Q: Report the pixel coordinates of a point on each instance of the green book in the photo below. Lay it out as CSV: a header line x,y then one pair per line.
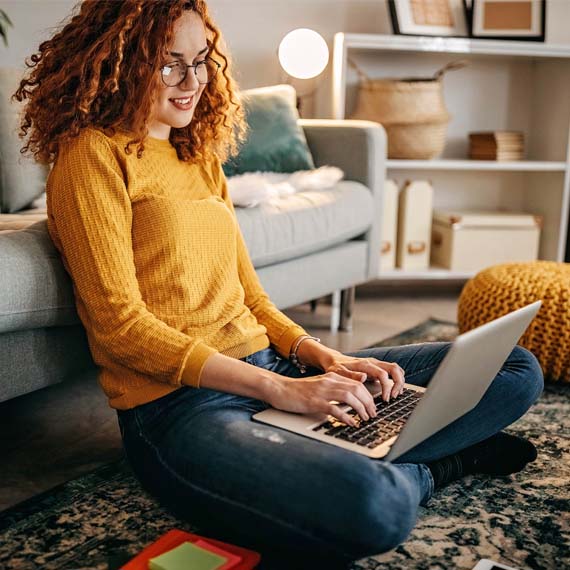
x,y
185,556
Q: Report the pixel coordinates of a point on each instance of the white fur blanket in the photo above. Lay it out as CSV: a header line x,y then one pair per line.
x,y
250,189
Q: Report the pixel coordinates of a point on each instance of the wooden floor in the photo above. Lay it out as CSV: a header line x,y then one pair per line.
x,y
53,435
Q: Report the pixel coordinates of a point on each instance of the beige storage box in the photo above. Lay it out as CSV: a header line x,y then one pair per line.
x,y
389,226
473,240
414,225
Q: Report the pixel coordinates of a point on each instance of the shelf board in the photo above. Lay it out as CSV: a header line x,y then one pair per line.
x,y
421,274
459,164
454,45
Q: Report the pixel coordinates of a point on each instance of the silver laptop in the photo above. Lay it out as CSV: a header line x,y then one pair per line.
x,y
457,386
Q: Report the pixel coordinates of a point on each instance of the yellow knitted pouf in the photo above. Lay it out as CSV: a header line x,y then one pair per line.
x,y
500,289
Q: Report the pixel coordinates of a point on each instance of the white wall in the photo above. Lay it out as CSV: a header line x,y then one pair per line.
x,y
253,30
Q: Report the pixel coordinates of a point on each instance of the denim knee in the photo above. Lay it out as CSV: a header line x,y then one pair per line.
x,y
528,379
385,512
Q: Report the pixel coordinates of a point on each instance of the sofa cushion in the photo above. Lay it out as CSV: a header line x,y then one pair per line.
x,y
275,140
24,218
36,290
21,178
305,222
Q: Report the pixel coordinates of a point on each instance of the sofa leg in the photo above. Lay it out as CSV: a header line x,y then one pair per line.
x,y
335,310
314,303
346,308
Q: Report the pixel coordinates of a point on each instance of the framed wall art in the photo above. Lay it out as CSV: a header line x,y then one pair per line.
x,y
429,17
508,19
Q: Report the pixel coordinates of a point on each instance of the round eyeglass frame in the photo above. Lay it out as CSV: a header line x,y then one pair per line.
x,y
194,66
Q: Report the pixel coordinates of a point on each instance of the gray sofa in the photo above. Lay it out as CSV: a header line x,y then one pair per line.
x,y
303,246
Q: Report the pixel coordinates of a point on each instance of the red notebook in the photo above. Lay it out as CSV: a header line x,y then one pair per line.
x,y
175,537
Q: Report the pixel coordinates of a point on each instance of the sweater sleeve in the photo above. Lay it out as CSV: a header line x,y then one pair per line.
x,y
281,330
91,211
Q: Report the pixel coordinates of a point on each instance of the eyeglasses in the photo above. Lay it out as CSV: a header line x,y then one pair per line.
x,y
174,74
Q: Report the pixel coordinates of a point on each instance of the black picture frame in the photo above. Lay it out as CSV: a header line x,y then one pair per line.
x,y
398,30
472,18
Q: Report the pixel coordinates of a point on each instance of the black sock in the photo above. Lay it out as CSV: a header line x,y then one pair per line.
x,y
446,469
501,454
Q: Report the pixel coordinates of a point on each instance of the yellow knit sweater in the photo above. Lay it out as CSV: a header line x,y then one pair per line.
x,y
161,275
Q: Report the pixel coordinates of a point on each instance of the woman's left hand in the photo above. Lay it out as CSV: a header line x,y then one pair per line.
x,y
389,374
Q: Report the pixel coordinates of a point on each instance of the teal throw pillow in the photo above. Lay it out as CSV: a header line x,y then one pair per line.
x,y
275,142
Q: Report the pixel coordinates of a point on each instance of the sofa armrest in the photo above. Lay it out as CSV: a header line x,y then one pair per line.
x,y
359,149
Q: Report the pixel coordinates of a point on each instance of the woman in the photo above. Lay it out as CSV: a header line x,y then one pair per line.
x,y
188,344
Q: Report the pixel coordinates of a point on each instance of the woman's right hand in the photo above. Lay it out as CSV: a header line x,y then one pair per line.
x,y
321,394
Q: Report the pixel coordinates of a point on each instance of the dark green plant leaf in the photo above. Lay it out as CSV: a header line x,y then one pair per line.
x,y
4,23
5,17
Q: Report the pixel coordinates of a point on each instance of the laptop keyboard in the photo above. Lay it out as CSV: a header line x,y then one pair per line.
x,y
390,418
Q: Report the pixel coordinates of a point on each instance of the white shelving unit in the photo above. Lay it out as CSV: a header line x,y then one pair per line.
x,y
458,164
507,85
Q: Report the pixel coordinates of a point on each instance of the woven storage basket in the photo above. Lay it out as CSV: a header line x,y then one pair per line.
x,y
412,111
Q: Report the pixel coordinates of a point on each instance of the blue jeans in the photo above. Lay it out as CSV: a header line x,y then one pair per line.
x,y
296,500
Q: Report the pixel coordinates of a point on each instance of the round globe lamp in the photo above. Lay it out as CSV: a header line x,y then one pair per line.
x,y
303,53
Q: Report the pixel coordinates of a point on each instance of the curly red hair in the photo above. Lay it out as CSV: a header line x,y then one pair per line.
x,y
91,74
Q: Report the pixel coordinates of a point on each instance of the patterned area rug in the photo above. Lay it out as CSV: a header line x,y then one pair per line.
x,y
100,520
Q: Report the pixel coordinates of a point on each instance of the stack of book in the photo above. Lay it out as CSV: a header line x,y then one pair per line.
x,y
496,145
180,550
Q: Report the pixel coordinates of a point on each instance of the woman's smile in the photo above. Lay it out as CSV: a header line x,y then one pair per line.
x,y
183,103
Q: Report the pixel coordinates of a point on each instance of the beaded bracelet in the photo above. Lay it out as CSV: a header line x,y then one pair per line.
x,y
293,356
